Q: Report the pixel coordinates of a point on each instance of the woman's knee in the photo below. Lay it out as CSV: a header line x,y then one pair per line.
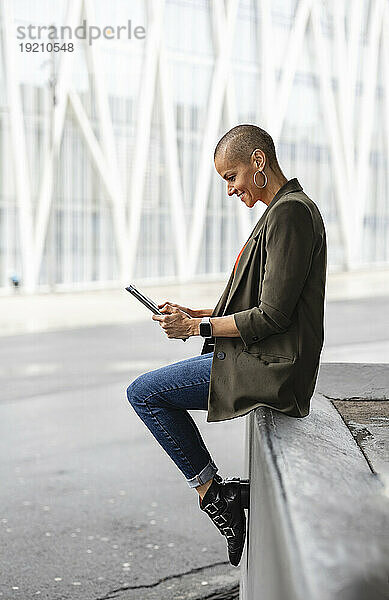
x,y
138,389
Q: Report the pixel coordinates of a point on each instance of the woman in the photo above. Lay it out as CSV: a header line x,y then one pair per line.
x,y
262,340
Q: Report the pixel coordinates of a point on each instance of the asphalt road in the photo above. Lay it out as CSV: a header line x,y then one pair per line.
x,y
90,505
89,502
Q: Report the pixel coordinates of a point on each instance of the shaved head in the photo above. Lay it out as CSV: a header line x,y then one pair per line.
x,y
239,143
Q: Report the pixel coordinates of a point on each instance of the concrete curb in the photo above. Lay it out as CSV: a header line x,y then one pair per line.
x,y
319,517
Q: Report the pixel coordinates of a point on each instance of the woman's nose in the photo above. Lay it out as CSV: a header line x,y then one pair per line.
x,y
230,190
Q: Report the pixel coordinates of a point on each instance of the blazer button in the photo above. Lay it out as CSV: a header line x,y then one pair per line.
x,y
265,362
221,355
255,339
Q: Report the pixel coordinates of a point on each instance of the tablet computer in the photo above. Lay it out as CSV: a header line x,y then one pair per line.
x,y
144,299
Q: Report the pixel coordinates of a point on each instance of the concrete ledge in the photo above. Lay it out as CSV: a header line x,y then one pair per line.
x,y
319,517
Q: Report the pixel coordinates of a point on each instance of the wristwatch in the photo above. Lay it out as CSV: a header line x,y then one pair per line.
x,y
205,327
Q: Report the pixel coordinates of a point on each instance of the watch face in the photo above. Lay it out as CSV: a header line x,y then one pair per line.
x,y
205,329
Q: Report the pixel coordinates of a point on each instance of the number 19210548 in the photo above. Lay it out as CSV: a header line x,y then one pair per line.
x,y
46,47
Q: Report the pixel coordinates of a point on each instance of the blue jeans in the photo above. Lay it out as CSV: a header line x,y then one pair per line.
x,y
162,399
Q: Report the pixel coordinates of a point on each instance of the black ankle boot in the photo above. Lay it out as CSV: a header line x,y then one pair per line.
x,y
222,502
244,490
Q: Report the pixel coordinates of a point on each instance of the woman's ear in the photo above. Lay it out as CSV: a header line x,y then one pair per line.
x,y
258,156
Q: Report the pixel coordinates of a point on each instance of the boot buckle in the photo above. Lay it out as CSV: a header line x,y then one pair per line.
x,y
228,532
211,509
220,520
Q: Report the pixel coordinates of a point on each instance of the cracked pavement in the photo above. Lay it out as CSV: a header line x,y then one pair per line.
x,y
219,581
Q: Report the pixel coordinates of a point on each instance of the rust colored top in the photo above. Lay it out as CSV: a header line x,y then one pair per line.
x,y
239,255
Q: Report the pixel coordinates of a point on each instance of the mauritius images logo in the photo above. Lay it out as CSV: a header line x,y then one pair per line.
x,y
81,32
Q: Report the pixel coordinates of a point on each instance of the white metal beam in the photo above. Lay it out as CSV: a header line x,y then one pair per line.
x,y
95,151
339,174
18,149
267,61
345,76
218,87
109,150
46,184
175,194
143,124
369,89
385,57
282,92
219,23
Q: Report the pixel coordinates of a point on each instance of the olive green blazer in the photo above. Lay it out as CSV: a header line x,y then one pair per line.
x,y
277,299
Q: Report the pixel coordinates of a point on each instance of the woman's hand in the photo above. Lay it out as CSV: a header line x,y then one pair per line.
x,y
177,322
192,312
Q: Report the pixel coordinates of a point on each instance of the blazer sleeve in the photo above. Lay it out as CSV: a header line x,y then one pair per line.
x,y
289,249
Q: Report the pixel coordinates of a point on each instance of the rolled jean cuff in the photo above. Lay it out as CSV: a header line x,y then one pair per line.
x,y
205,475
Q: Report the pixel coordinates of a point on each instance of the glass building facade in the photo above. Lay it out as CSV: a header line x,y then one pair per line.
x,y
106,152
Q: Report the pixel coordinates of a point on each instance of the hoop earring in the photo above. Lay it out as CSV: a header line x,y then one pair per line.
x,y
265,177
